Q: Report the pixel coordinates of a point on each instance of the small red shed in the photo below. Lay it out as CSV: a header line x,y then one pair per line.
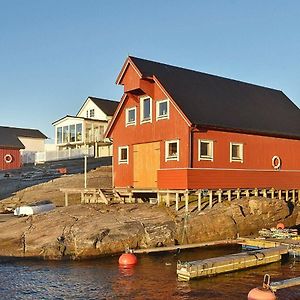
x,y
181,129
10,145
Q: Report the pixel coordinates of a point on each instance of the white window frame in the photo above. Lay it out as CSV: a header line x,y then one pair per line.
x,y
123,161
236,159
127,122
167,115
210,156
142,120
92,113
170,158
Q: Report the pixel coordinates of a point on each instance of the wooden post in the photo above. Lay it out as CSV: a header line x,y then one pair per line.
x,y
293,196
82,197
66,199
229,195
264,192
130,198
238,194
272,193
210,193
279,195
286,195
168,200
298,197
199,200
176,201
186,195
219,193
256,192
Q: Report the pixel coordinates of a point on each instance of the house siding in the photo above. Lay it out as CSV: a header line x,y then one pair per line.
x,y
16,162
174,128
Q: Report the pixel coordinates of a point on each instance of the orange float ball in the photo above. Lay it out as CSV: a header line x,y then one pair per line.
x,y
261,294
127,260
280,226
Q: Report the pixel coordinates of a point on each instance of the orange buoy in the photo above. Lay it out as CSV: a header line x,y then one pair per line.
x,y
261,294
264,292
280,226
127,260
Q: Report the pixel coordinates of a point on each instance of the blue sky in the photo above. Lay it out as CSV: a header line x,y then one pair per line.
x,y
56,53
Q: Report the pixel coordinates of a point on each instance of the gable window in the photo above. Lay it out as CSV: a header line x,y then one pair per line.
x,y
162,109
131,116
92,113
172,150
146,109
123,155
205,150
236,152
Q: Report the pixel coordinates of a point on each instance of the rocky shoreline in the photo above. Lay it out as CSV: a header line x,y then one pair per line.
x,y
95,230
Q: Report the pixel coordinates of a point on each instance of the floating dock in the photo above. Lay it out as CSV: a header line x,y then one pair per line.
x,y
229,263
292,244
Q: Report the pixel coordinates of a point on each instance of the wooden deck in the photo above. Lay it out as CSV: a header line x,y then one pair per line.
x,y
229,263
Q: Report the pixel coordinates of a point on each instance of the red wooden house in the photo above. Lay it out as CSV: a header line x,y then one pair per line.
x,y
180,129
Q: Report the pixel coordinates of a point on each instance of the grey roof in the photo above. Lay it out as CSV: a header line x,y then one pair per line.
x,y
107,106
215,102
9,136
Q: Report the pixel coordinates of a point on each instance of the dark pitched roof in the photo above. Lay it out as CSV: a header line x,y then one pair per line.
x,y
9,136
107,106
216,102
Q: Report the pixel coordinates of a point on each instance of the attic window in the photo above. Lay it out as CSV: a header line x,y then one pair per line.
x,y
236,152
172,150
92,113
131,116
162,109
146,109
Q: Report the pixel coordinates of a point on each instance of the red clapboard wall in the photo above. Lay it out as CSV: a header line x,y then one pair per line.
x,y
9,159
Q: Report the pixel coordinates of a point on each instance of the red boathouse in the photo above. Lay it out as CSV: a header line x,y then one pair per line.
x,y
180,129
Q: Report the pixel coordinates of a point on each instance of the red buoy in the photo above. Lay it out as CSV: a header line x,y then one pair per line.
x,y
261,294
280,226
127,260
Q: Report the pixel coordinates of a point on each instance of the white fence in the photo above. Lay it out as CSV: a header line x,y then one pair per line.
x,y
41,157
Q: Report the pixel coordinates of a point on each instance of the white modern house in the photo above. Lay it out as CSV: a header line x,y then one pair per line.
x,y
86,130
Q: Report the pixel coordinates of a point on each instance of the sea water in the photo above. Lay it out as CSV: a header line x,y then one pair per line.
x,y
154,277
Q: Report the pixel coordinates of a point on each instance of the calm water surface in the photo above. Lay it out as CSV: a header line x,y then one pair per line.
x,y
153,278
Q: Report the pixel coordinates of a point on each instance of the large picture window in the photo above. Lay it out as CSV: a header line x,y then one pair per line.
x,y
146,109
205,150
78,132
236,152
66,134
123,155
172,150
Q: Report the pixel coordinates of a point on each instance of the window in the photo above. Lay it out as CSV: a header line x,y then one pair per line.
x,y
172,150
59,135
131,116
123,155
146,109
236,152
66,134
78,132
162,109
205,150
92,113
72,133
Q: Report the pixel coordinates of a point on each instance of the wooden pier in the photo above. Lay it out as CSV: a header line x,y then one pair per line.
x,y
274,286
213,266
182,247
